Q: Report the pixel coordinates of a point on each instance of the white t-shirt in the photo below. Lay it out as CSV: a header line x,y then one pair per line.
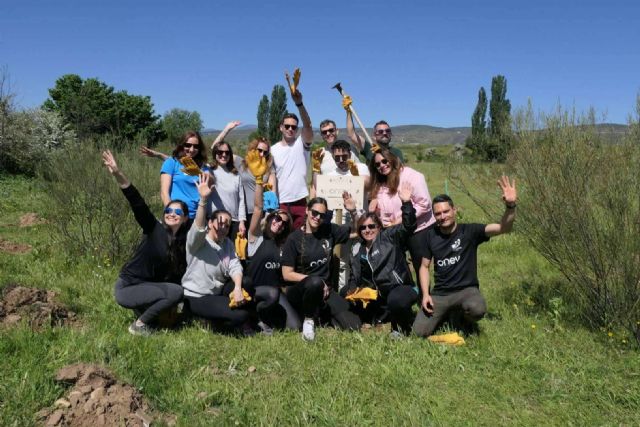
x,y
328,165
291,163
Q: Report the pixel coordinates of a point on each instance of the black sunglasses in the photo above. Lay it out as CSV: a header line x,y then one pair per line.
x,y
315,213
328,131
292,127
195,146
369,226
261,151
383,132
341,158
381,162
222,153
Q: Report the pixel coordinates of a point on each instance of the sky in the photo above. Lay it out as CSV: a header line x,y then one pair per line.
x,y
407,62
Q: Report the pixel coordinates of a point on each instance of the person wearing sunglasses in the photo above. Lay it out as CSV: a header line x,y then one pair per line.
x,y
291,160
227,192
329,133
149,282
262,147
378,262
214,273
381,137
306,266
175,183
387,176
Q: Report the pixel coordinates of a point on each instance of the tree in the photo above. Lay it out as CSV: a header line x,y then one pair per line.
x,y
478,136
500,133
263,117
177,121
277,109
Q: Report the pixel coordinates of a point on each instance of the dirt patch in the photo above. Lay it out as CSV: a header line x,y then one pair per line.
x,y
30,219
97,398
13,248
37,306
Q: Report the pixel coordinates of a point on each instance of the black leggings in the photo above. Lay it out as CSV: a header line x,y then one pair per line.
x,y
274,309
216,307
307,296
395,307
415,244
150,298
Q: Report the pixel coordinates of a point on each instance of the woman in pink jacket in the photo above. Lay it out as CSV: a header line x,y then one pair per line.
x,y
387,175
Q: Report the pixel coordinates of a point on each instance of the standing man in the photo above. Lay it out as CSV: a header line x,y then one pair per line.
x,y
453,248
329,132
381,136
291,160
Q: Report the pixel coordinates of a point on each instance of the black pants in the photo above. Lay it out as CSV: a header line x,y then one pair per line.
x,y
396,307
216,308
307,296
149,298
415,244
469,300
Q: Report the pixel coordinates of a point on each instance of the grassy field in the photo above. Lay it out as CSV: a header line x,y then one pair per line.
x,y
528,366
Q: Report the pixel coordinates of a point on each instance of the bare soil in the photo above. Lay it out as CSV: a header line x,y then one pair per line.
x,y
36,306
30,219
97,398
13,248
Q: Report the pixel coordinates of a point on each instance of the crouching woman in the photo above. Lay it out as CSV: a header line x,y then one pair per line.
x,y
213,269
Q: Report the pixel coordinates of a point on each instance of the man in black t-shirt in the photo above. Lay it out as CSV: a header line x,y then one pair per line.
x,y
453,249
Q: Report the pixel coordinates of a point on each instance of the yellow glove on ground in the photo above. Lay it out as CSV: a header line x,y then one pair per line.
x,y
316,159
190,166
364,295
257,165
346,102
234,304
241,247
451,339
353,168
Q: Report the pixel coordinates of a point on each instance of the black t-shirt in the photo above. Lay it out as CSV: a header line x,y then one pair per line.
x,y
310,253
264,267
455,257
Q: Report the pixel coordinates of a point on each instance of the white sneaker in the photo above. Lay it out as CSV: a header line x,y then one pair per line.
x,y
308,330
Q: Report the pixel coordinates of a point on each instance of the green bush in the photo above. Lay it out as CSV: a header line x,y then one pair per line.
x,y
89,212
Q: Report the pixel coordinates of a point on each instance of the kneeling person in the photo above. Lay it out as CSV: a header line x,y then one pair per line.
x,y
453,248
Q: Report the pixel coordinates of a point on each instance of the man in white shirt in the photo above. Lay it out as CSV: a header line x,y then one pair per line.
x,y
291,161
329,132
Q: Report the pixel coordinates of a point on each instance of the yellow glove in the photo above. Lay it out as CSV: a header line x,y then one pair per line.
x,y
364,295
190,167
267,187
234,304
346,103
375,148
451,339
257,165
317,157
296,80
353,168
241,247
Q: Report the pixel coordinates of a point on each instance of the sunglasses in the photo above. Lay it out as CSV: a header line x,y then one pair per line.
x,y
315,213
383,132
369,226
176,211
292,127
194,146
381,162
261,151
341,158
222,153
328,131
278,219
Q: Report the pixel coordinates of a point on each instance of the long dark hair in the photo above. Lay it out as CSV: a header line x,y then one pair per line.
x,y
230,166
378,180
177,246
201,157
279,239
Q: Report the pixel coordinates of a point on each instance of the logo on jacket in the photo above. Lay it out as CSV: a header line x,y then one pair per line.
x,y
456,246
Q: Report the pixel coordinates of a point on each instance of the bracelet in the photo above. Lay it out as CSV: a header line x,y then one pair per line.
x,y
299,105
201,203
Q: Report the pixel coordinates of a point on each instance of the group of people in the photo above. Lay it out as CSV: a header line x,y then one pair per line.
x,y
303,265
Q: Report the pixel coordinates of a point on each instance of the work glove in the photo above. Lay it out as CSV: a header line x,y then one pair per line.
x,y
346,103
269,201
241,246
450,339
190,167
296,80
364,295
316,159
257,165
353,168
234,304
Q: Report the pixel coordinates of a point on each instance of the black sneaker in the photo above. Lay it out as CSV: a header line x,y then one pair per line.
x,y
143,331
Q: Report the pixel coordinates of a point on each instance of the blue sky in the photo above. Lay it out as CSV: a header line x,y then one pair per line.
x,y
409,62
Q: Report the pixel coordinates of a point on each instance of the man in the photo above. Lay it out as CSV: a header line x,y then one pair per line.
x,y
329,133
381,137
453,248
291,160
341,152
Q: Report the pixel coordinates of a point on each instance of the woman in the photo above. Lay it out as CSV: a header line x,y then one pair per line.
x,y
387,175
214,273
177,184
148,283
378,262
248,180
306,264
265,254
228,194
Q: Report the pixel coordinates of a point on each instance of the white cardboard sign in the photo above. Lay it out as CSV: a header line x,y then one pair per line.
x,y
331,187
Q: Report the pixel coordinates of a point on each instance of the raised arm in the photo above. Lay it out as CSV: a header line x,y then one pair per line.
x,y
350,206
148,152
110,162
307,130
509,196
258,167
228,128
351,131
204,190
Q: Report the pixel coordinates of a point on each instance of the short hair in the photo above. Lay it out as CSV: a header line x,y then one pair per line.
x,y
326,122
381,122
369,215
289,116
317,200
441,198
341,144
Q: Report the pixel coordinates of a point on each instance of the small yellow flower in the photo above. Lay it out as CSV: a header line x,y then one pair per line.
x,y
610,334
533,326
624,341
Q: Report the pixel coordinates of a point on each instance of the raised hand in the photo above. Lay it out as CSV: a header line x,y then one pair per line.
x,y
508,187
232,125
349,203
110,162
406,189
257,165
346,103
353,168
316,159
204,189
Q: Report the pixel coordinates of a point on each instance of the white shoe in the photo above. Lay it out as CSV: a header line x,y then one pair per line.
x,y
308,330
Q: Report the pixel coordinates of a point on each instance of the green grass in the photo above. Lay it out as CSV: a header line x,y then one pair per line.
x,y
527,367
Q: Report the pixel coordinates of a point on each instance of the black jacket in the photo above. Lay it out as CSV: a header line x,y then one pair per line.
x,y
386,256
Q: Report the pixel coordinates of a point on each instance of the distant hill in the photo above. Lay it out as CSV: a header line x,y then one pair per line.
x,y
420,134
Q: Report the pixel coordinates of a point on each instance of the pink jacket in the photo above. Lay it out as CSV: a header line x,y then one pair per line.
x,y
388,208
